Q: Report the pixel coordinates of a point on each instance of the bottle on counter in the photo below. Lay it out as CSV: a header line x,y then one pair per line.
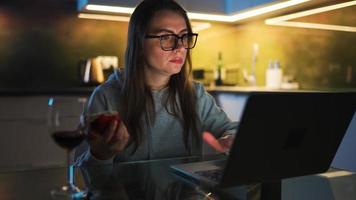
x,y
218,78
273,75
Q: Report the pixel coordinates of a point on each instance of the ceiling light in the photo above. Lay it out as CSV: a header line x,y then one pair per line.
x,y
112,9
104,17
283,20
203,16
196,26
199,26
316,26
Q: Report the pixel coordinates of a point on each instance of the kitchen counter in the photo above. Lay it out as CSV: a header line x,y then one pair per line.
x,y
244,89
86,91
74,91
254,89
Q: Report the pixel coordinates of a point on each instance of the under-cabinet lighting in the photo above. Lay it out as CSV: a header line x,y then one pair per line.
x,y
196,26
111,9
204,16
199,26
283,20
104,17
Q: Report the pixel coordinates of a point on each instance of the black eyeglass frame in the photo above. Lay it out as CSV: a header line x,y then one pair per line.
x,y
176,41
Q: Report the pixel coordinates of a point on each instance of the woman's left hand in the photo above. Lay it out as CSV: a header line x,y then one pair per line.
x,y
222,144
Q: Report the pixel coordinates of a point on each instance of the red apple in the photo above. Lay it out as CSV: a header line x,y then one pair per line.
x,y
103,121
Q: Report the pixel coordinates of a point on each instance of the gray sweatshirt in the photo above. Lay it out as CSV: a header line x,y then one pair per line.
x,y
163,138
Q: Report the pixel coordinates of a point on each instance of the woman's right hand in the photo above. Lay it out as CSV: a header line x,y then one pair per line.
x,y
113,140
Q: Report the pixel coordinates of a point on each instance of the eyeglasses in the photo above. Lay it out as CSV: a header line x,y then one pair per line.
x,y
169,42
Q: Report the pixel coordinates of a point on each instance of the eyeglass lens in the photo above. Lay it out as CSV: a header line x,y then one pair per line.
x,y
170,42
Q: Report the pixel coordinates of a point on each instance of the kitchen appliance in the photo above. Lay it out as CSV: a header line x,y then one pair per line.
x,y
95,70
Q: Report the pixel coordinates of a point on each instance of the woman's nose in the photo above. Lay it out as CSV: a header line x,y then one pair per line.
x,y
179,45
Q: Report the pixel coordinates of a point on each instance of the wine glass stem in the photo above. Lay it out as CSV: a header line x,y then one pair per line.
x,y
70,170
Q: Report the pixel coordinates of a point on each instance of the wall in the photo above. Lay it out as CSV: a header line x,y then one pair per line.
x,y
41,44
317,58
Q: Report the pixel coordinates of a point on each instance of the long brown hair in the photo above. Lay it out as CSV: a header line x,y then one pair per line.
x,y
137,107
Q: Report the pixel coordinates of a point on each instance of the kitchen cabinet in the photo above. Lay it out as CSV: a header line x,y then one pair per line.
x,y
24,138
232,6
233,104
200,6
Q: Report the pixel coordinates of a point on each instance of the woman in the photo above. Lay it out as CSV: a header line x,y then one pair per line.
x,y
163,112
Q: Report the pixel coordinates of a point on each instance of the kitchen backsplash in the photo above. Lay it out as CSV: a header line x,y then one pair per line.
x,y
314,58
43,47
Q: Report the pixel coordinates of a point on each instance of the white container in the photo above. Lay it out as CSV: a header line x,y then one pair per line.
x,y
274,75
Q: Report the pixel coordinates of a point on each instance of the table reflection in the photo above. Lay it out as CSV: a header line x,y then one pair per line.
x,y
154,180
147,180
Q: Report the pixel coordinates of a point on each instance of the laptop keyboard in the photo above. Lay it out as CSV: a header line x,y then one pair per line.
x,y
215,174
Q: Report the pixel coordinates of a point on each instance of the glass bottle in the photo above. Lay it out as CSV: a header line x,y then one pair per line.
x,y
218,80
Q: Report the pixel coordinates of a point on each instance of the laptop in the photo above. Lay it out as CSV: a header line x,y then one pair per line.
x,y
280,135
342,159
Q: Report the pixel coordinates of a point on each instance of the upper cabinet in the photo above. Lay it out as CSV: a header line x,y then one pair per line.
x,y
199,6
232,6
274,12
211,10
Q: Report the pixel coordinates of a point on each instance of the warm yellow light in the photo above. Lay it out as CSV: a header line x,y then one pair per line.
x,y
104,17
311,12
316,26
283,20
209,17
199,26
204,16
112,9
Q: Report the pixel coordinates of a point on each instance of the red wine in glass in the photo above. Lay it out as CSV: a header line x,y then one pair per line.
x,y
68,139
64,130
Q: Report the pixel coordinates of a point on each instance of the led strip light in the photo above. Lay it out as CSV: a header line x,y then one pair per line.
x,y
104,17
283,20
203,16
197,26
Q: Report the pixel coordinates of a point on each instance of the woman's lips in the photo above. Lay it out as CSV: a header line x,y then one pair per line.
x,y
177,60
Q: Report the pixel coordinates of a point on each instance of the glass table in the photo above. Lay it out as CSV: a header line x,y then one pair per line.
x,y
154,179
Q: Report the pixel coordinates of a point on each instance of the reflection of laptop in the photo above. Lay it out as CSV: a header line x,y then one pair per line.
x,y
281,135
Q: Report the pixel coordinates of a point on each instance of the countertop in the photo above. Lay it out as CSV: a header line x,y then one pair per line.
x,y
73,91
245,89
86,91
254,89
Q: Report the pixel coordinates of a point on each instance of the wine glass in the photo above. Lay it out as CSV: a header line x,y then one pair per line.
x,y
63,125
